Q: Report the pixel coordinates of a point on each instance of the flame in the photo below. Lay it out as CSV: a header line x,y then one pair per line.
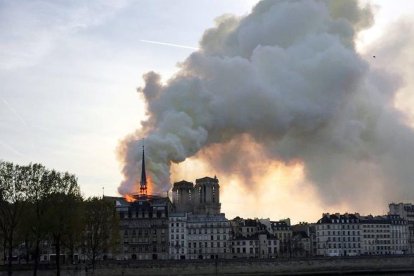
x,y
129,198
150,185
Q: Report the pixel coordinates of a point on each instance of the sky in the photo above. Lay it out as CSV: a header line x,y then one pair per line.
x,y
69,72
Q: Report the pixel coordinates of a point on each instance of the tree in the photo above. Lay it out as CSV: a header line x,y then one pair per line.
x,y
12,196
41,185
62,211
72,237
101,232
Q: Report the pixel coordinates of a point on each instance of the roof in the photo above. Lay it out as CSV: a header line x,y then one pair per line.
x,y
182,184
279,225
338,218
207,179
356,218
387,219
250,223
300,234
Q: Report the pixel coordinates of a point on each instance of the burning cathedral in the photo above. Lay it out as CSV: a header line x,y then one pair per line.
x,y
153,227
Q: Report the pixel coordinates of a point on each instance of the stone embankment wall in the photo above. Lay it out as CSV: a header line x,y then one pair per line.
x,y
244,267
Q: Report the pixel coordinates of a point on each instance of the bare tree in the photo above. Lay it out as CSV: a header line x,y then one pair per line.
x,y
41,184
101,228
12,196
63,210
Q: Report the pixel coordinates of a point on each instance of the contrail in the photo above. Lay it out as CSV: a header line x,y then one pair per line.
x,y
169,44
10,148
22,120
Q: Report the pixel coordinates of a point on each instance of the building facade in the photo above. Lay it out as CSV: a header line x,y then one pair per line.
x,y
144,228
304,239
208,236
197,228
201,198
384,235
252,239
352,234
406,212
338,235
283,231
178,233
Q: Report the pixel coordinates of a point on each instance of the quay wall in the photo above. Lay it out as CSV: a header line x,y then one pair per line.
x,y
326,266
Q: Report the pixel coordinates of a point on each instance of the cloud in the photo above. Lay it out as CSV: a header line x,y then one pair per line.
x,y
287,77
31,29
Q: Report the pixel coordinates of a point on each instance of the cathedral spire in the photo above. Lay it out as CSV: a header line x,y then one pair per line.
x,y
143,183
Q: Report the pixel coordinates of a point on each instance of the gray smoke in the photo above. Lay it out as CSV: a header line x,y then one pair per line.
x,y
288,77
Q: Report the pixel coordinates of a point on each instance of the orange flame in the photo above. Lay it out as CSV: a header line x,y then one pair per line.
x,y
129,198
150,185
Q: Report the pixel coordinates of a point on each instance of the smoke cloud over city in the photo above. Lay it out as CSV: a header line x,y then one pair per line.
x,y
288,79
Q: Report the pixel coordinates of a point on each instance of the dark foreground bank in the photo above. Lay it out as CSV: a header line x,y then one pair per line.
x,y
369,265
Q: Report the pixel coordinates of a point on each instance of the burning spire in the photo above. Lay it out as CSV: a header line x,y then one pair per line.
x,y
143,183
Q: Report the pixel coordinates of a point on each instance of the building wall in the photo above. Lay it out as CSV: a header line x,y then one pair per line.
x,y
208,236
338,239
201,198
144,228
252,239
182,193
405,211
178,233
207,196
351,234
283,231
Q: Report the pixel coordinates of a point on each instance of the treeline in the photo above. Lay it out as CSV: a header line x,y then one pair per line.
x,y
42,208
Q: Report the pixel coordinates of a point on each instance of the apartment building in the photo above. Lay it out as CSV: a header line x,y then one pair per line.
x,y
252,239
338,235
352,234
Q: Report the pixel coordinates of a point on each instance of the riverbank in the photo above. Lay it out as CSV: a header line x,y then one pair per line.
x,y
309,266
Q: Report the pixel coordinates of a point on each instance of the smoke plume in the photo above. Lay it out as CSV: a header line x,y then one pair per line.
x,y
287,78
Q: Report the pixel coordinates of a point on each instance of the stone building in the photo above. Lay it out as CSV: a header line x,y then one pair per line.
x,y
208,236
178,233
191,227
405,211
301,244
197,228
352,234
252,239
384,235
283,231
338,235
144,223
201,198
304,239
182,195
144,227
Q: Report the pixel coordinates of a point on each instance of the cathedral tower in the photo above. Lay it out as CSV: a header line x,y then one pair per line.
x,y
207,196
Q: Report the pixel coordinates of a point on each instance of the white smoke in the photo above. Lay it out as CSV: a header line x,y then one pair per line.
x,y
288,77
